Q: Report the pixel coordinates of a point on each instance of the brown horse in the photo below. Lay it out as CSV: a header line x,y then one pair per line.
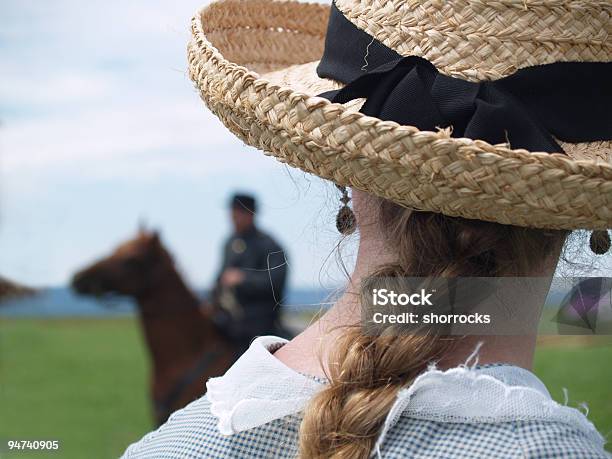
x,y
184,345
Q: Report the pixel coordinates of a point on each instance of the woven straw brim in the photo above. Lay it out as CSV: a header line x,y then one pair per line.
x,y
254,63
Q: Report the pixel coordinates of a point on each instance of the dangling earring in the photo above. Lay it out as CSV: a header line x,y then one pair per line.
x,y
345,220
599,242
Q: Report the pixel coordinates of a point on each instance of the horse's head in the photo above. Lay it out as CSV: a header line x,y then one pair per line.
x,y
130,270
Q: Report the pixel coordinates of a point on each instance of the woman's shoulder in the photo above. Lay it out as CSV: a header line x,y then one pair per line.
x,y
412,437
193,432
540,439
185,434
487,411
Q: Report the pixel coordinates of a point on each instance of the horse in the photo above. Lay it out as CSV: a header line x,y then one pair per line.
x,y
185,346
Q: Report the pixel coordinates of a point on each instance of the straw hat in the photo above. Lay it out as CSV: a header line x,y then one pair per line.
x,y
254,63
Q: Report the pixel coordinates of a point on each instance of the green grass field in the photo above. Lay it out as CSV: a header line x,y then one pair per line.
x,y
85,383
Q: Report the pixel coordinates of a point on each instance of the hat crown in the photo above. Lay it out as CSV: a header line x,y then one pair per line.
x,y
477,39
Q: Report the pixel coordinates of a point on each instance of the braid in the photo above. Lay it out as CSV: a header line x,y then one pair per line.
x,y
346,417
366,372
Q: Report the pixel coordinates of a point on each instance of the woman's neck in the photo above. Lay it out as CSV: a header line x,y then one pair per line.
x,y
309,351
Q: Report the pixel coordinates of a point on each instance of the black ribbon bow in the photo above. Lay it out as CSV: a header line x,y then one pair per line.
x,y
569,101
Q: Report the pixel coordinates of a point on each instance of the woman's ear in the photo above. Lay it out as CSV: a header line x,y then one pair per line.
x,y
367,211
360,202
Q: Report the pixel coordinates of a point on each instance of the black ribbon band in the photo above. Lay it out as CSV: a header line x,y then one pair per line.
x,y
570,101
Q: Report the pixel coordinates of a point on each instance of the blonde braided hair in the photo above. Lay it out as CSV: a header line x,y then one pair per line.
x,y
366,372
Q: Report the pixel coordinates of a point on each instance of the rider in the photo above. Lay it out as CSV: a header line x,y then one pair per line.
x,y
249,288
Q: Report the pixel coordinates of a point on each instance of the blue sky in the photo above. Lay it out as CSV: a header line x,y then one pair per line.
x,y
101,128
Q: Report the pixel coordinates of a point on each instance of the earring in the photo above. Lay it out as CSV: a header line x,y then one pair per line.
x,y
345,220
599,242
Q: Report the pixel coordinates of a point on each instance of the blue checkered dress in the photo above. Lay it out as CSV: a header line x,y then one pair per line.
x,y
193,432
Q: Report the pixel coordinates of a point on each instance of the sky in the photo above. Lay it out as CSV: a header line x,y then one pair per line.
x,y
101,129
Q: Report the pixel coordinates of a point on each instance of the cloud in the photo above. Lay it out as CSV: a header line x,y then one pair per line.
x,y
55,90
107,94
117,135
99,125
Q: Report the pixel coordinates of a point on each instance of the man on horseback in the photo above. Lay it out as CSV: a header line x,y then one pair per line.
x,y
250,286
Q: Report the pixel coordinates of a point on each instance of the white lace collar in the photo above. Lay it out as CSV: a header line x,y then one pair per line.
x,y
259,388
